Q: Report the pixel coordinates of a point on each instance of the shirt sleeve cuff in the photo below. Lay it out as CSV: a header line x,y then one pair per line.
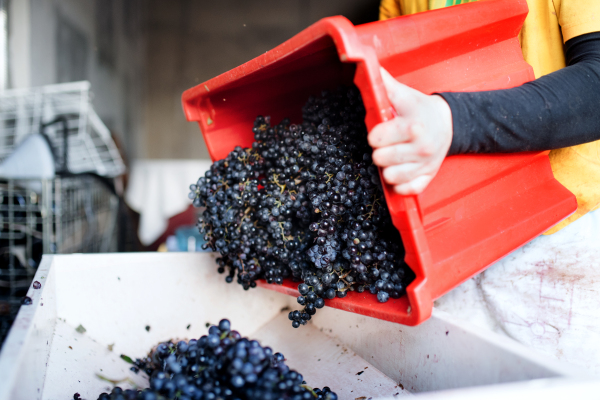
x,y
460,119
589,26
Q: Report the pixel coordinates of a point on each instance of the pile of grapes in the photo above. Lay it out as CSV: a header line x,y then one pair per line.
x,y
305,203
221,365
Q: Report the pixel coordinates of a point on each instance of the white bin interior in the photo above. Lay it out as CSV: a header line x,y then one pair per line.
x,y
116,296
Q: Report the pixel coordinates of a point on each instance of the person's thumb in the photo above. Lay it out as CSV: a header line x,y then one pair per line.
x,y
401,96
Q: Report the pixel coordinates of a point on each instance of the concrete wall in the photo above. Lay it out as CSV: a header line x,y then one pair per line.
x,y
190,41
54,41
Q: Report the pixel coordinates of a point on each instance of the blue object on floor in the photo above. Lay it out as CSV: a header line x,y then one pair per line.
x,y
186,238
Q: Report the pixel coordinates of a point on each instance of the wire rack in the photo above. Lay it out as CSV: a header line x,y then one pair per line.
x,y
61,215
75,212
89,143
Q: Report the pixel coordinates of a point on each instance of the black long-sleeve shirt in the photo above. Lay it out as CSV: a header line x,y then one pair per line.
x,y
557,110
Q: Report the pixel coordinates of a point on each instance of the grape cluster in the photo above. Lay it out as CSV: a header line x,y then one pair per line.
x,y
220,365
305,203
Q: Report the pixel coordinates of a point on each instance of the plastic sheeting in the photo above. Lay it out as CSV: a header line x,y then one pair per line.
x,y
545,295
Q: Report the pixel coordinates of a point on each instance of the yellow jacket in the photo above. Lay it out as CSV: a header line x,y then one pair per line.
x,y
548,25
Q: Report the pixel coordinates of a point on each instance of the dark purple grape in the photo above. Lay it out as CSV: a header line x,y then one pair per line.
x,y
304,203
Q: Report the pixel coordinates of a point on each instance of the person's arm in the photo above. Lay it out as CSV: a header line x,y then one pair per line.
x,y
558,110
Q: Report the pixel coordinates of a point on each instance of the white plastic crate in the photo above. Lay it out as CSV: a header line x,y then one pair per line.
x,y
90,147
115,296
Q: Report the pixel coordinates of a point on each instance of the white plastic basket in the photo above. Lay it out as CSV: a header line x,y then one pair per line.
x,y
116,296
90,146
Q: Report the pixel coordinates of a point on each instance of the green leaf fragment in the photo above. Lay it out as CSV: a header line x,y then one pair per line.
x,y
126,359
115,382
80,329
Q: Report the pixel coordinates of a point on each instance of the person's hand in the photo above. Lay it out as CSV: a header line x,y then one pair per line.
x,y
411,147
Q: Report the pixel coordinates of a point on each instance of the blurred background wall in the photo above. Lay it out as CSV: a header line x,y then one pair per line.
x,y
140,55
191,41
54,41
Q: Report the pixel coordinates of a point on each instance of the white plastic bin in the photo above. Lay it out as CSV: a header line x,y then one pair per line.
x,y
115,297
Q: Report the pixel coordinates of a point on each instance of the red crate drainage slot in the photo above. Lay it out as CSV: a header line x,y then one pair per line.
x,y
479,207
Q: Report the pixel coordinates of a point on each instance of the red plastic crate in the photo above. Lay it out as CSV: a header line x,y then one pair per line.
x,y
479,207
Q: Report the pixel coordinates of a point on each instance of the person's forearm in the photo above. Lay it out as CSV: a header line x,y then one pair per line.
x,y
557,110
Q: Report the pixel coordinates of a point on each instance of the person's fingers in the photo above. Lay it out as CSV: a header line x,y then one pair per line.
x,y
390,132
401,173
394,155
402,152
401,96
415,186
395,91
